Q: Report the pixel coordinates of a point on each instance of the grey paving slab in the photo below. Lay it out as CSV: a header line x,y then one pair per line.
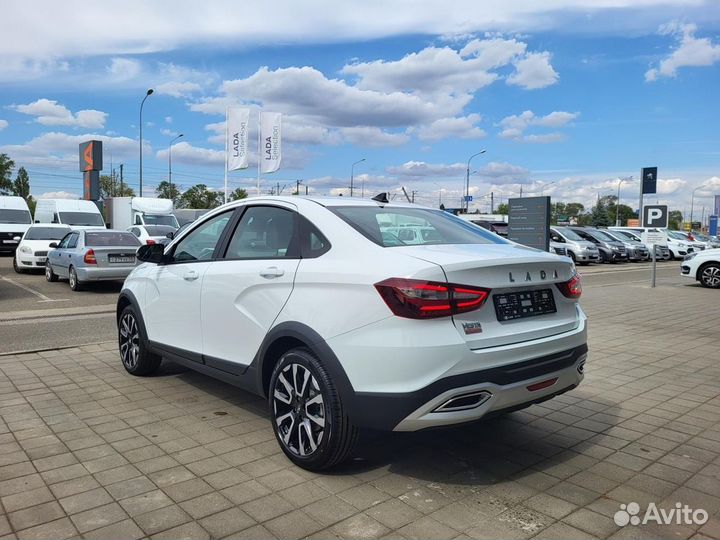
x,y
89,451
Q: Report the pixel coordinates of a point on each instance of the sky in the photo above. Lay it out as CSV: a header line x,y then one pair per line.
x,y
566,97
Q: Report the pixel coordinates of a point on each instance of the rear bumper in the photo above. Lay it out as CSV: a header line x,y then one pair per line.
x,y
501,389
103,274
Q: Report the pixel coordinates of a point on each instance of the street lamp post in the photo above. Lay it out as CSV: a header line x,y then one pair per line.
x,y
617,203
467,181
147,94
544,185
170,160
352,175
692,203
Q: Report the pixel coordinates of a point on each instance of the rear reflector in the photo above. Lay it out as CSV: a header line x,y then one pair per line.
x,y
572,288
420,299
89,257
541,385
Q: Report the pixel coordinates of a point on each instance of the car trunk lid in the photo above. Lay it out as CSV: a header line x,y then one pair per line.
x,y
525,302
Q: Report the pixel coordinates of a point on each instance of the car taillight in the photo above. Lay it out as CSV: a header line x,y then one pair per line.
x,y
572,288
420,299
150,242
89,257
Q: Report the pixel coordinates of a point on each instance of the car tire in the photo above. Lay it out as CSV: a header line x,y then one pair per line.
x,y
49,274
135,354
17,269
709,276
75,283
572,256
307,413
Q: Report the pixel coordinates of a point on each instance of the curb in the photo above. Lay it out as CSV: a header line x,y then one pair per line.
x,y
30,351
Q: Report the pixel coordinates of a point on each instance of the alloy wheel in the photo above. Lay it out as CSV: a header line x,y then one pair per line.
x,y
299,410
129,341
711,276
73,278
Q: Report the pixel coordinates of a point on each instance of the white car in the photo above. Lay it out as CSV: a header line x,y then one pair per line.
x,y
703,266
32,251
340,325
152,234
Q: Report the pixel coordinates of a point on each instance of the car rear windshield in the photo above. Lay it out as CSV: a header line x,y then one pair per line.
x,y
159,230
109,239
399,226
14,216
154,219
82,218
46,233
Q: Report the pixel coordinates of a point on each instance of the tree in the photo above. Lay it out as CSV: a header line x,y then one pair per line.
x,y
6,168
111,188
599,216
237,194
166,190
199,196
502,209
21,186
675,218
566,210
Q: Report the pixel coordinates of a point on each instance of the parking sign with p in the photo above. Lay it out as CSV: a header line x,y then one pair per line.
x,y
655,215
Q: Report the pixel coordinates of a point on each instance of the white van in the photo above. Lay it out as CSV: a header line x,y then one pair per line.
x,y
75,213
14,221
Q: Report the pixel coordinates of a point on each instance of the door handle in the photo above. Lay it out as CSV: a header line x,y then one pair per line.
x,y
271,272
191,275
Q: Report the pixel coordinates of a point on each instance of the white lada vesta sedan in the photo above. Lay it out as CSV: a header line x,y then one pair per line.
x,y
319,306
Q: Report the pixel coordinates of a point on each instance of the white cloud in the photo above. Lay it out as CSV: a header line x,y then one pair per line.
x,y
168,119
178,89
58,195
169,132
533,71
514,126
3,124
420,169
188,154
460,127
124,69
50,113
690,52
372,136
503,172
61,149
137,27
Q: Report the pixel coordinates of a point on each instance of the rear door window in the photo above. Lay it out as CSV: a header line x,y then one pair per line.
x,y
264,232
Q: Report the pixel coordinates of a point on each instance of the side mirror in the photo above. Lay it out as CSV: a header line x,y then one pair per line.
x,y
170,235
153,253
53,244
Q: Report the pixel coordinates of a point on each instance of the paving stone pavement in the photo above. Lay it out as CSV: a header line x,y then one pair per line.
x,y
89,451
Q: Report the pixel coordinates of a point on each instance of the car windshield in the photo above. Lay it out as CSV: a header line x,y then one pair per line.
x,y
151,219
46,233
399,226
108,239
14,216
159,230
701,237
82,218
676,235
623,235
569,234
600,235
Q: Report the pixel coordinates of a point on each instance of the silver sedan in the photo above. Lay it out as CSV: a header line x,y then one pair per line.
x,y
84,256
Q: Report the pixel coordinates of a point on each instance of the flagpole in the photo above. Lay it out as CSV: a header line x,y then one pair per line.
x,y
259,155
226,154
